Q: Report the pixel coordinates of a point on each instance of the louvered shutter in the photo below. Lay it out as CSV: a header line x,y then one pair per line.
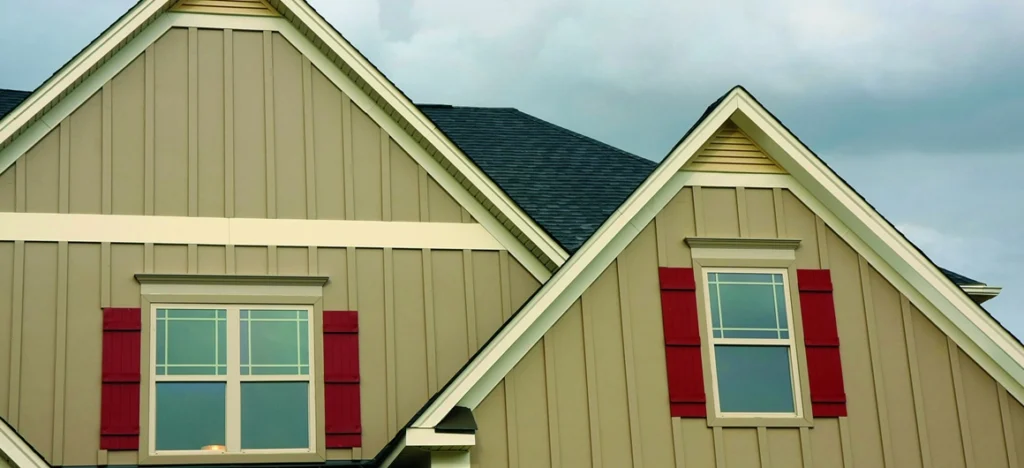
x,y
682,342
119,408
341,379
821,343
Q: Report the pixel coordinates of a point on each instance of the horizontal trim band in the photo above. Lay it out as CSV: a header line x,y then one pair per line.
x,y
256,280
50,227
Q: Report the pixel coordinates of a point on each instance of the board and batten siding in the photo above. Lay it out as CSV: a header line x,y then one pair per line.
x,y
222,123
593,392
422,314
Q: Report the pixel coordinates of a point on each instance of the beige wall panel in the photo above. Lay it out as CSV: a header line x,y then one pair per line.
x,y
698,445
674,223
565,342
251,261
487,291
410,337
405,185
449,313
443,208
741,450
865,432
289,130
983,414
170,259
127,139
366,164
293,261
783,448
250,126
171,156
491,449
1017,423
212,259
826,444
7,273
333,263
327,144
84,356
125,261
939,399
42,174
721,215
639,264
800,224
7,179
760,213
372,350
601,302
899,396
85,159
211,122
531,410
39,324
523,284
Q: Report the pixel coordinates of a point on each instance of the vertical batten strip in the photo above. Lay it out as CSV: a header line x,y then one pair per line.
x,y
821,233
698,210
846,441
915,382
805,448
718,438
590,369
428,312
424,196
149,138
632,403
229,125
780,212
762,447
741,210
314,260
504,275
660,235
105,274
467,270
961,402
272,259
1008,437
106,149
18,310
347,148
229,259
193,259
64,170
353,281
385,175
148,258
20,193
511,421
551,387
309,147
390,348
678,443
270,132
60,367
881,405
193,121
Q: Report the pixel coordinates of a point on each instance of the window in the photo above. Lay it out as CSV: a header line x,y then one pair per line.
x,y
753,354
231,379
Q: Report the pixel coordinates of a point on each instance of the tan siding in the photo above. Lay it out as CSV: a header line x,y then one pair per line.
x,y
127,120
290,134
7,185
250,171
38,346
609,379
171,156
491,450
85,157
327,138
7,272
211,121
41,166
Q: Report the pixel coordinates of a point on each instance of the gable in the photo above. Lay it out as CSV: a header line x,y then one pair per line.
x,y
230,7
730,150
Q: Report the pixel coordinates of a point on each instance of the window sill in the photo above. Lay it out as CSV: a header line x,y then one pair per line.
x,y
233,458
719,421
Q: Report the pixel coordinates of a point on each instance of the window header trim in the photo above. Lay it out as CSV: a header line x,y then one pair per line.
x,y
249,280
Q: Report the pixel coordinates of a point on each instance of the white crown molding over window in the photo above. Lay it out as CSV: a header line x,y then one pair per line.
x,y
723,248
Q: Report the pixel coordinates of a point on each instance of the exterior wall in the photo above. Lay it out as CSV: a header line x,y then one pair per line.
x,y
594,392
224,124
422,314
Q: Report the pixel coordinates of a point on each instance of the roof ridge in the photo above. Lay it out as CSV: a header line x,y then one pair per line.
x,y
583,137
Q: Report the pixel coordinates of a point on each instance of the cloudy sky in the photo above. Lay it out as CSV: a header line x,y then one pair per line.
x,y
917,103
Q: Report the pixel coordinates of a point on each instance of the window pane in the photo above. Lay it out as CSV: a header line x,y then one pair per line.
x,y
754,379
275,415
191,341
189,415
274,342
747,305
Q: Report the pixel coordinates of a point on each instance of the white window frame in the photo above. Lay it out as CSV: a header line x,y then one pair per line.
x,y
791,343
233,379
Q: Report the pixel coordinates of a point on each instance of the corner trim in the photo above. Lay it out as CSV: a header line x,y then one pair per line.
x,y
741,243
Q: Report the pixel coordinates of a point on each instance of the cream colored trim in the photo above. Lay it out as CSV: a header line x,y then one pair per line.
x,y
981,293
248,280
298,294
747,244
50,227
17,450
428,439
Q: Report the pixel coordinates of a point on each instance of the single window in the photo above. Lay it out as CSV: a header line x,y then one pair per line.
x,y
235,379
753,359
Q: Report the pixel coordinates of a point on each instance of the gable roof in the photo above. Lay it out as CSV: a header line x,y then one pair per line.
x,y
852,218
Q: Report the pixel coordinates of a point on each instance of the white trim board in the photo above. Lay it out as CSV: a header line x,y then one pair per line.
x,y
813,183
17,450
51,227
538,250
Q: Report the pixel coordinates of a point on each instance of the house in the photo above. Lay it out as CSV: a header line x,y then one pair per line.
x,y
226,238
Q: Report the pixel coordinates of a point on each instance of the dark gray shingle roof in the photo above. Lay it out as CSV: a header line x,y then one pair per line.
x,y
9,99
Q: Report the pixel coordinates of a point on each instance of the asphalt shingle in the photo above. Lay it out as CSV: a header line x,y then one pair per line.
x,y
9,99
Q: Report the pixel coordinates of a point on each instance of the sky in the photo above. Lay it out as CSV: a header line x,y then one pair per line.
x,y
918,104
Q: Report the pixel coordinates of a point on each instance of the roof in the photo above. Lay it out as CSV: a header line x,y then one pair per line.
x,y
9,99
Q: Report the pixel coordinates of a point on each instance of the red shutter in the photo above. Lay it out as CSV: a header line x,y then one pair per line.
x,y
341,379
122,349
821,342
682,342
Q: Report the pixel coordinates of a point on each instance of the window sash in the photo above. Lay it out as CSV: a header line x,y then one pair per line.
x,y
789,343
233,379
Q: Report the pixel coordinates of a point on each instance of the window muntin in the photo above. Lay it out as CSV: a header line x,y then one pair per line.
x,y
231,379
753,353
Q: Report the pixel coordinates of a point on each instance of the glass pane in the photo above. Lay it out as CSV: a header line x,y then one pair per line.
x,y
756,278
274,342
750,333
275,415
754,379
189,415
161,341
780,304
274,370
716,312
747,305
191,341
